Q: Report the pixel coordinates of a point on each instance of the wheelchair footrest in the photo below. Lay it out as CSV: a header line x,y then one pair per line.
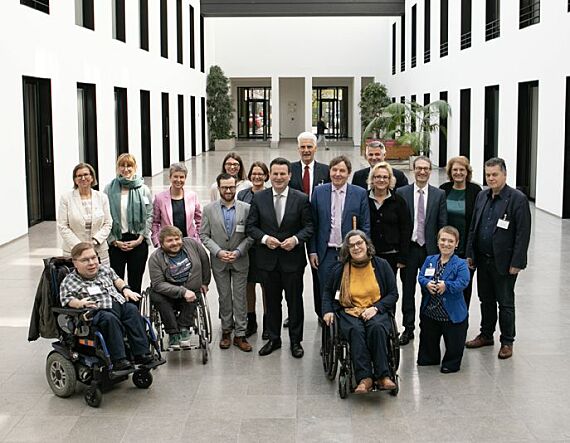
x,y
153,364
118,374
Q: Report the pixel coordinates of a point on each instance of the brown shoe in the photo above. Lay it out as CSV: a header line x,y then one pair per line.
x,y
225,342
479,342
241,342
386,384
364,386
505,352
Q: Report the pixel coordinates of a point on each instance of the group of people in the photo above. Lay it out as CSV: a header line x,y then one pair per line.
x,y
263,228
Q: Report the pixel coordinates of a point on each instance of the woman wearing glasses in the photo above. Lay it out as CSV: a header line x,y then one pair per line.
x,y
84,214
232,165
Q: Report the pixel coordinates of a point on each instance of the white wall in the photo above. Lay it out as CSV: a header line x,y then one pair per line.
x,y
292,107
539,52
52,46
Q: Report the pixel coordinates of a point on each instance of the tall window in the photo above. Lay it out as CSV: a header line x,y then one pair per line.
x,y
414,35
164,28
529,13
143,17
119,20
442,135
427,31
179,45
202,59
40,5
393,48
121,121
403,44
491,128
191,43
465,24
413,122
84,14
492,19
444,29
465,122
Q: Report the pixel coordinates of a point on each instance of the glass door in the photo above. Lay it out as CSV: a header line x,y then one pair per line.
x,y
331,104
254,112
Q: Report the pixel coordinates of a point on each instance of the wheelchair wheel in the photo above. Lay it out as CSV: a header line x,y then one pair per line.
x,y
61,375
206,318
93,397
343,382
142,379
205,355
329,354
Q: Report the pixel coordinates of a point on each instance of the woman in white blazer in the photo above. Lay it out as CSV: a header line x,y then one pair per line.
x,y
84,214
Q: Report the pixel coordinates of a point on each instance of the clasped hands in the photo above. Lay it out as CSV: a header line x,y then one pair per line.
x,y
228,256
288,244
366,315
127,246
436,288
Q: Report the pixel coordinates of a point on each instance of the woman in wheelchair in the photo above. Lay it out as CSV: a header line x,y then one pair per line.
x,y
178,270
98,287
362,292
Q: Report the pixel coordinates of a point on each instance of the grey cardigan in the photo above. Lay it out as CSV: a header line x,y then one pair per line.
x,y
160,280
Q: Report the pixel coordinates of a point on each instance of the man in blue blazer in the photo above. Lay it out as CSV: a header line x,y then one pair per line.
x,y
336,207
428,214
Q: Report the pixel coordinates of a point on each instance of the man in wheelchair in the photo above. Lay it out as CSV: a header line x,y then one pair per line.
x,y
361,293
98,288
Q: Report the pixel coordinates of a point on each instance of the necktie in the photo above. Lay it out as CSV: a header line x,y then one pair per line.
x,y
279,208
336,234
421,237
306,181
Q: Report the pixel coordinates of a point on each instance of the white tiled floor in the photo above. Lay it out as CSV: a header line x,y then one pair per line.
x,y
243,397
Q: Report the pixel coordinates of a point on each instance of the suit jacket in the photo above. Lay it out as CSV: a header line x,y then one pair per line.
x,y
510,245
355,205
71,220
456,278
162,214
320,171
297,221
359,178
215,238
436,213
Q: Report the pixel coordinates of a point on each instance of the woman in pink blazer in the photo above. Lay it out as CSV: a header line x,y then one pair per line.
x,y
177,207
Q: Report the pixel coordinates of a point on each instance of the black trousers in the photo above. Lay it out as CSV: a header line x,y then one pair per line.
x,y
409,276
114,323
496,289
175,313
368,344
277,282
392,261
454,335
469,289
317,300
134,261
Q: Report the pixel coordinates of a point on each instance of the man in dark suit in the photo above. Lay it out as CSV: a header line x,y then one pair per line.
x,y
428,214
280,222
376,153
334,207
497,246
306,174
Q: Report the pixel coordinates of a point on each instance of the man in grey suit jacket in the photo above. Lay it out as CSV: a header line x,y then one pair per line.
x,y
428,214
223,234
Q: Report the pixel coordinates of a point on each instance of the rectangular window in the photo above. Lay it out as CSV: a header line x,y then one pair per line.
x,y
202,59
529,13
403,99
527,138
426,98
164,28
179,45
403,44
203,121
414,35
87,124
427,31
40,5
119,20
193,125
566,191
492,19
466,8
181,146
146,146
413,122
165,130
491,129
192,44
393,48
84,14
121,122
465,122
442,135
143,18
444,29
393,99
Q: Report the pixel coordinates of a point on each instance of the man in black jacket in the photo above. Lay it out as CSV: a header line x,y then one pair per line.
x,y
497,246
376,153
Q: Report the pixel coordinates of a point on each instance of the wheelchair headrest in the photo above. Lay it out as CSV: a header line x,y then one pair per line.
x,y
59,268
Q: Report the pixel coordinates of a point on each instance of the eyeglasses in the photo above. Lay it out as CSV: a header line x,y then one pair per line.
x,y
358,244
232,165
82,176
88,259
255,174
228,188
381,177
422,168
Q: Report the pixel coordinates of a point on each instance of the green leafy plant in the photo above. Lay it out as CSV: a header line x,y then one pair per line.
x,y
219,105
373,98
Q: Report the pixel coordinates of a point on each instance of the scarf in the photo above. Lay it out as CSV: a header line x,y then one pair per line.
x,y
345,293
136,210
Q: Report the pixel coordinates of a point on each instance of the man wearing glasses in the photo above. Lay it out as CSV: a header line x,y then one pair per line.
x,y
98,287
428,214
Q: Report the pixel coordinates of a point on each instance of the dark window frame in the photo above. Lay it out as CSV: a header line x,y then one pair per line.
x,y
403,44
143,25
179,33
394,36
492,19
414,35
529,13
444,29
202,48
38,5
121,120
192,43
427,31
466,23
442,148
119,18
164,28
181,144
465,122
87,15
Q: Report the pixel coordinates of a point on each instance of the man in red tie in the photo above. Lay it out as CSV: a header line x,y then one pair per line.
x,y
306,174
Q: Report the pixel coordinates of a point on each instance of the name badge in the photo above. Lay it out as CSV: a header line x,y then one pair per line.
x,y
94,290
240,228
337,295
503,224
145,200
430,272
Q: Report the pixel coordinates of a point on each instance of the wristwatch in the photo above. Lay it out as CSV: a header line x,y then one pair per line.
x,y
123,289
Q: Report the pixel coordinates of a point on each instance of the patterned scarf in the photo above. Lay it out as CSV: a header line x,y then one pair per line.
x,y
136,211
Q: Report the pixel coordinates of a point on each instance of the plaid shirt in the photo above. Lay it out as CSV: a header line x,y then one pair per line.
x,y
103,292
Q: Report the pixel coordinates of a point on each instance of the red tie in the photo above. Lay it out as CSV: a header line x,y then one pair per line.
x,y
306,181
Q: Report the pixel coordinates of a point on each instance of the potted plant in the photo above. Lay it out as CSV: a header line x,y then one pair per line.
x,y
373,99
387,125
219,110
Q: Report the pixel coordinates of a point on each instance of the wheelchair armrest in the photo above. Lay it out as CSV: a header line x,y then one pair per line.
x,y
69,311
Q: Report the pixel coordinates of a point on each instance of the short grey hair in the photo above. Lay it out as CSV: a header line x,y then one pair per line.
x,y
375,144
344,253
497,161
178,167
307,136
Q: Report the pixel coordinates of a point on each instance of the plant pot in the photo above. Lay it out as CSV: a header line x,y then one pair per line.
x,y
225,144
395,151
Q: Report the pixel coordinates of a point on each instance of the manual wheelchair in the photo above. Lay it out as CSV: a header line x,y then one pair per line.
x,y
335,353
81,353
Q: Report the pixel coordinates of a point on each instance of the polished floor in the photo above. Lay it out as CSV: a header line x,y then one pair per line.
x,y
244,397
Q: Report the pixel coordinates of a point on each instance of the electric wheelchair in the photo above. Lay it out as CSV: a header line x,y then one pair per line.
x,y
335,353
202,325
81,353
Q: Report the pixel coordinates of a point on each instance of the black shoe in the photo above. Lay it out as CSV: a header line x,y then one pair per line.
x,y
251,324
269,347
265,335
286,323
144,359
321,322
297,350
406,337
445,370
122,365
